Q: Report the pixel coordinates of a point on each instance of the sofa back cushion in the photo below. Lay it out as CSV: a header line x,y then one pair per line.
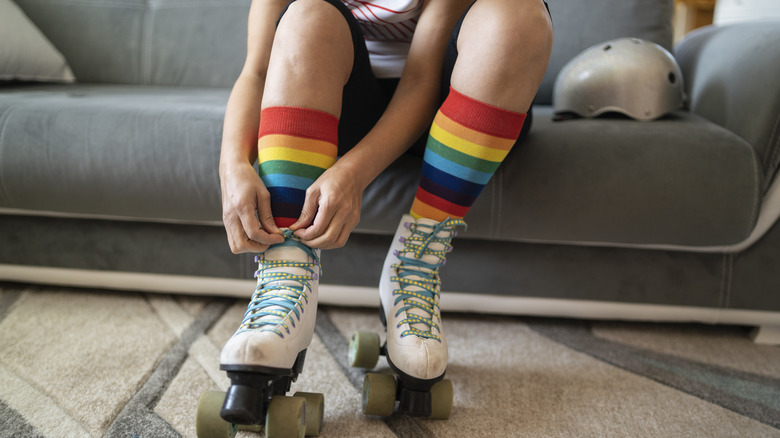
x,y
203,43
150,42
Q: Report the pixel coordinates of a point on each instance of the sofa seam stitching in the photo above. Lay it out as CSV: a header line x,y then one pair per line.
x,y
757,191
145,55
770,167
729,281
722,291
3,126
499,205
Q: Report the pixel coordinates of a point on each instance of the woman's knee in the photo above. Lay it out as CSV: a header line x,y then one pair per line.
x,y
305,17
312,30
503,50
515,27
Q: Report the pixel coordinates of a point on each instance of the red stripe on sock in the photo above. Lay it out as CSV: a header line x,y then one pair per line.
x,y
442,204
284,222
482,117
299,122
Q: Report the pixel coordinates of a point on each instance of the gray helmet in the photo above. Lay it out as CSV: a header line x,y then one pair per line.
x,y
628,75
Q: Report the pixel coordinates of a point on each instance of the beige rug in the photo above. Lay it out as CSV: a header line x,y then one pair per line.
x,y
84,363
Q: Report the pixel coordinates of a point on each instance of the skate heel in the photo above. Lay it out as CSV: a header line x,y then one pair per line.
x,y
260,358
256,400
416,397
415,346
415,403
243,405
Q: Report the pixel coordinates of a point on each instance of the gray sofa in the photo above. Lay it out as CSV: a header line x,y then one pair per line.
x,y
111,181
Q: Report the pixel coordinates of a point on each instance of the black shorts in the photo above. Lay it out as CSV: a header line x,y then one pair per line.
x,y
366,97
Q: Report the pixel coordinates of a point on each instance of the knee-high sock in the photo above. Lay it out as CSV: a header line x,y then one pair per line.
x,y
468,141
295,146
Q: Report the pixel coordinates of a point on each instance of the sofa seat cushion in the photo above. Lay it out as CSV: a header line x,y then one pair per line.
x,y
127,151
151,153
677,181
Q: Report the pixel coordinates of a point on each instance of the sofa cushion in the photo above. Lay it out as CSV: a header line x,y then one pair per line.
x,y
732,79
153,42
25,53
128,151
677,181
151,153
203,43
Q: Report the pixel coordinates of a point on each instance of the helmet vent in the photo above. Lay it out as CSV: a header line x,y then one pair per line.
x,y
672,77
607,47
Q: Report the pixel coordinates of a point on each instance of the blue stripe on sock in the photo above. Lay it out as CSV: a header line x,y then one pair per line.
x,y
453,183
284,209
287,195
448,194
285,180
455,169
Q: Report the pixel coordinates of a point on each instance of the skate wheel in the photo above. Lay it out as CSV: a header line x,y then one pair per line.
x,y
315,410
442,400
379,394
364,350
286,417
208,423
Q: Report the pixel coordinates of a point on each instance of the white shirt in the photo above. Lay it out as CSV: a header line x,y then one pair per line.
x,y
388,26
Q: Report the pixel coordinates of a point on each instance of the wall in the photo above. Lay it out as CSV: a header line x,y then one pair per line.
x,y
729,11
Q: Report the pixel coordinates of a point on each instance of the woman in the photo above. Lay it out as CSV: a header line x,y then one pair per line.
x,y
364,81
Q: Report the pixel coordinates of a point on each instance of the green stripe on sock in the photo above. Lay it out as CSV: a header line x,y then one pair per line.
x,y
460,158
290,168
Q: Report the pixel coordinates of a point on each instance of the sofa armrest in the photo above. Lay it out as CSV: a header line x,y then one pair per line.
x,y
732,77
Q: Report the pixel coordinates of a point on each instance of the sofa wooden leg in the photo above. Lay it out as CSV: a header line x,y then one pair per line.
x,y
766,334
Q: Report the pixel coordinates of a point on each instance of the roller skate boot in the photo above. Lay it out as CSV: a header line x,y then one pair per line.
x,y
415,347
267,352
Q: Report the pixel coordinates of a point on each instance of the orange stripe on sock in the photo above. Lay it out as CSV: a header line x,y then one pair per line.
x,y
420,209
480,138
481,116
426,203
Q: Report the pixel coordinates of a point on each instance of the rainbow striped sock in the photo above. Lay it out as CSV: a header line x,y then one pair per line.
x,y
295,146
468,141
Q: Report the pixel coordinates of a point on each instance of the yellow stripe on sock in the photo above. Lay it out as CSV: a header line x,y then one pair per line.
x,y
467,147
472,135
298,156
297,143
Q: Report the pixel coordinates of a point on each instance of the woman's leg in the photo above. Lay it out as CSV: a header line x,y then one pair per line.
x,y
503,47
502,52
310,63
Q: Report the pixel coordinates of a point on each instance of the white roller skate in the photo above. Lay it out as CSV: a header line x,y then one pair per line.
x,y
416,348
267,352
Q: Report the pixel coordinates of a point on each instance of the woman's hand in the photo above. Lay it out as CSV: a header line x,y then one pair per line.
x,y
246,210
331,210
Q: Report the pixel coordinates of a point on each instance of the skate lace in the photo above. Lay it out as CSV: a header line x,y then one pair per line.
x,y
424,275
278,294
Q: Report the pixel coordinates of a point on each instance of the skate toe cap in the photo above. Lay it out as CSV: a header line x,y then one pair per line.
x,y
257,349
420,358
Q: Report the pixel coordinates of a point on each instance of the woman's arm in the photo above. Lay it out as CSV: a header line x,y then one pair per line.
x,y
335,196
416,99
244,197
